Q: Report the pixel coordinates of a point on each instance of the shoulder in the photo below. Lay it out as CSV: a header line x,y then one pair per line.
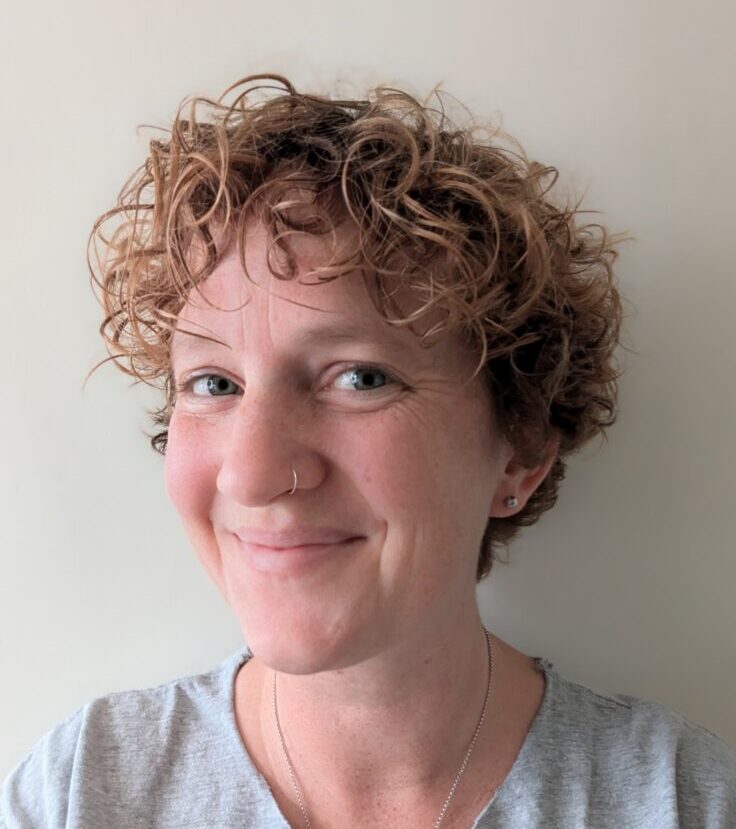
x,y
621,752
115,743
645,727
35,792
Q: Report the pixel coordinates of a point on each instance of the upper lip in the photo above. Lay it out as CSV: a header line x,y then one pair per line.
x,y
295,536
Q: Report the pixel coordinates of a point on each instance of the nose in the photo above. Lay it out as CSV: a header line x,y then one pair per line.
x,y
265,441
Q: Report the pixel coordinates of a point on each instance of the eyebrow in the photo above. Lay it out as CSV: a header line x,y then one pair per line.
x,y
363,335
357,334
181,343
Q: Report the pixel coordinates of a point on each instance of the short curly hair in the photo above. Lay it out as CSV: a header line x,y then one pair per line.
x,y
458,214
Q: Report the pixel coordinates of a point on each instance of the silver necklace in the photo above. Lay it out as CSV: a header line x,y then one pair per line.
x,y
474,740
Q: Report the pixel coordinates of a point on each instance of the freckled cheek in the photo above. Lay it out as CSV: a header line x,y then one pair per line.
x,y
408,469
190,471
390,462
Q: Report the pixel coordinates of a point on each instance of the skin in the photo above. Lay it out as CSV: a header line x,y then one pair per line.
x,y
372,642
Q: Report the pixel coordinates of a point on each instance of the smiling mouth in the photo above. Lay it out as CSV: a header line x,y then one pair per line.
x,y
294,559
297,535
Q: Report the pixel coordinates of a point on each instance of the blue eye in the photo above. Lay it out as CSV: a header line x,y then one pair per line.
x,y
213,385
371,377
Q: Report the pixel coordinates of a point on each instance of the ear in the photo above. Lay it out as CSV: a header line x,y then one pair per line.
x,y
521,482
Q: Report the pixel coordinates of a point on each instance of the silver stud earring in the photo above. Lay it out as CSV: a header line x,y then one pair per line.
x,y
511,502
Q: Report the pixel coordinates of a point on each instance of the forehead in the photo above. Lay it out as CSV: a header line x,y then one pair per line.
x,y
258,314
257,309
227,305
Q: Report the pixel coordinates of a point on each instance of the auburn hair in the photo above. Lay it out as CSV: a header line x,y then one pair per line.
x,y
459,214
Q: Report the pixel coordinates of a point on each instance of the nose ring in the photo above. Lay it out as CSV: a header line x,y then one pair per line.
x,y
293,489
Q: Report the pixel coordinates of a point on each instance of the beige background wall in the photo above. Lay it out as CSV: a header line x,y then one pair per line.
x,y
628,585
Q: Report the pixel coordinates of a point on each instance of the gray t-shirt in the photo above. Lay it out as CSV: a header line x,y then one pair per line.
x,y
172,756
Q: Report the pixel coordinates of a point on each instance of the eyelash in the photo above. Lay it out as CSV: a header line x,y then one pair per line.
x,y
187,385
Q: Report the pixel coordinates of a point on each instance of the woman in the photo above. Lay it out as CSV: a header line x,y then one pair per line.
x,y
378,340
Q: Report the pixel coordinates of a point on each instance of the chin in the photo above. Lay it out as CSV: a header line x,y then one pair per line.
x,y
301,648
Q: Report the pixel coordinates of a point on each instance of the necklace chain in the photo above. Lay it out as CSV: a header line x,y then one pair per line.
x,y
445,806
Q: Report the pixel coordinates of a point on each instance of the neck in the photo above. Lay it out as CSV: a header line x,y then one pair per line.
x,y
398,724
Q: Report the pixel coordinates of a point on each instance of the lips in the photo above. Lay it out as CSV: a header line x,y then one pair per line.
x,y
295,536
294,551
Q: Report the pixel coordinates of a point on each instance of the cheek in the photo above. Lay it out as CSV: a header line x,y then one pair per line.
x,y
435,494
404,460
424,486
189,469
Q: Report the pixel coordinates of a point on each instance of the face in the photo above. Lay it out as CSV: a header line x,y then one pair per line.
x,y
394,450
